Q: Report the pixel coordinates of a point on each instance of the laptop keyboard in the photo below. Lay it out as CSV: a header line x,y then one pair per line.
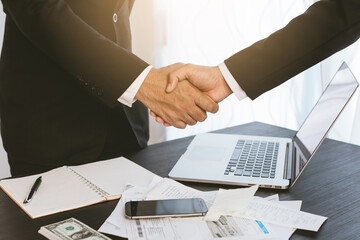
x,y
253,159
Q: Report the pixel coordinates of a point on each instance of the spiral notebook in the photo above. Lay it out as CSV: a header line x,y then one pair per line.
x,y
67,188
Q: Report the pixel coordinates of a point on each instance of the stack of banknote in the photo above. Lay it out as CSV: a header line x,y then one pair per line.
x,y
70,229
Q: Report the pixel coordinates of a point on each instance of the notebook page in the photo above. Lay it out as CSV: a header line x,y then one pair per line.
x,y
60,190
113,175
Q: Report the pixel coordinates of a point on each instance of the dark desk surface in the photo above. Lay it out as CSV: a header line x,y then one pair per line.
x,y
329,186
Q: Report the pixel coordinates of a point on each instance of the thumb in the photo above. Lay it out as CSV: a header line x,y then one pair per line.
x,y
172,83
175,77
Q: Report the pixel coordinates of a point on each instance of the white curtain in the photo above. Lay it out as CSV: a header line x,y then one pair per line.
x,y
207,32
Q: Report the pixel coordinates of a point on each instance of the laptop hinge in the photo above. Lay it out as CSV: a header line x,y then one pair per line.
x,y
288,161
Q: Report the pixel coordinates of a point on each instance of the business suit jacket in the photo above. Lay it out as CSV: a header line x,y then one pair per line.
x,y
325,28
64,64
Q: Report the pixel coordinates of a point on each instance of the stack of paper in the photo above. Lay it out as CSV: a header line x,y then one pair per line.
x,y
233,214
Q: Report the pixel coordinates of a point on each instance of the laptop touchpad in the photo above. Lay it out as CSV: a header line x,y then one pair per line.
x,y
204,153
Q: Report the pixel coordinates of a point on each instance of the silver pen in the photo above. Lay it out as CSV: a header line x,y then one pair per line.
x,y
33,190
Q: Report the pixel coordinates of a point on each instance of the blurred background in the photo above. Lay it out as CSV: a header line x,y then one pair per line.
x,y
207,32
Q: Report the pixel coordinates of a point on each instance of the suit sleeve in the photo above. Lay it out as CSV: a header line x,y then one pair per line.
x,y
325,28
53,27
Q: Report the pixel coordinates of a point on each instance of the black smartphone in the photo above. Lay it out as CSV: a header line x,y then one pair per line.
x,y
165,208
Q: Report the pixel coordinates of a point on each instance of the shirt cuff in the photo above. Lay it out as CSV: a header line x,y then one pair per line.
x,y
128,97
233,84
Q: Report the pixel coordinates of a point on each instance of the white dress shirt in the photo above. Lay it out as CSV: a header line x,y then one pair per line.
x,y
234,86
128,97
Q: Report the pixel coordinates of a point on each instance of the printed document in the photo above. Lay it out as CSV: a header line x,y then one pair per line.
x,y
226,227
273,213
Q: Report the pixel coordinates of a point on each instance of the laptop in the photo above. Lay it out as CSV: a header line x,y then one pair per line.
x,y
269,162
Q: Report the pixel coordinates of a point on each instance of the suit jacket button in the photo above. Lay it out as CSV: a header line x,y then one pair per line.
x,y
115,18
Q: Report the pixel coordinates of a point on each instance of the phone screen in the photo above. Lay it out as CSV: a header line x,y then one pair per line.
x,y
165,208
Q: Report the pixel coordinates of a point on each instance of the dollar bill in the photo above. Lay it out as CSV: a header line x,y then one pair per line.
x,y
70,229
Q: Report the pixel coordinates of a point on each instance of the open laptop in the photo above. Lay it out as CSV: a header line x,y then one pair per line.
x,y
266,161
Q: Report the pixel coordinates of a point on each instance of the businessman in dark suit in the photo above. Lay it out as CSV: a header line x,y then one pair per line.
x,y
68,83
325,28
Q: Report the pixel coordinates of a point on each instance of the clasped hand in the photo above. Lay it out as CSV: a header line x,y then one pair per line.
x,y
175,102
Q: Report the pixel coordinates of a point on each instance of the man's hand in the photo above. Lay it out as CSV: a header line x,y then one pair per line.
x,y
184,105
207,79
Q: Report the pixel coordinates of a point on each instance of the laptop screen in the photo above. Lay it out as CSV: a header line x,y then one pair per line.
x,y
322,117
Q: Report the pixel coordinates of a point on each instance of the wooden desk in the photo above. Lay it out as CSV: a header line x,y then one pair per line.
x,y
329,186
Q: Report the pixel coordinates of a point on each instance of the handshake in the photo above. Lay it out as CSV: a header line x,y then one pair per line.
x,y
182,94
